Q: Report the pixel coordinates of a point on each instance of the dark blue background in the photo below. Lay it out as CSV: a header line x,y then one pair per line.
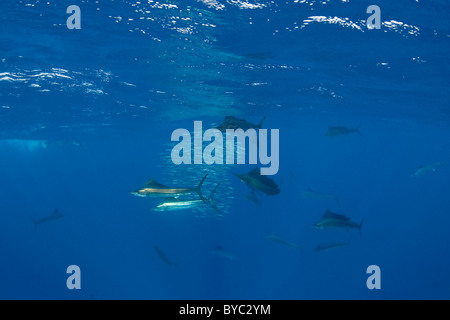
x,y
127,84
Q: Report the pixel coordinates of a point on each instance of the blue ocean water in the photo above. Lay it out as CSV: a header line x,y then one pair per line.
x,y
86,117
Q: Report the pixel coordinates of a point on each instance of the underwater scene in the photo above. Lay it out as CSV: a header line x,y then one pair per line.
x,y
224,150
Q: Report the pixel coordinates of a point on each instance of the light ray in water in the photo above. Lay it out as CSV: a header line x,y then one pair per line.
x,y
24,145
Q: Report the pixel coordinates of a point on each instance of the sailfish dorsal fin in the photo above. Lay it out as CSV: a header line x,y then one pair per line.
x,y
255,172
56,213
152,183
331,215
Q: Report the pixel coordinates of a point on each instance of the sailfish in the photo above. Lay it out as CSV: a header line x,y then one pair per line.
x,y
234,123
172,204
55,215
259,183
334,220
154,189
338,131
163,257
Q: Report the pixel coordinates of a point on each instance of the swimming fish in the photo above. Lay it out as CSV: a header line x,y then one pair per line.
x,y
173,204
234,123
55,215
260,183
334,220
163,257
221,252
330,245
337,131
423,170
154,189
311,194
277,239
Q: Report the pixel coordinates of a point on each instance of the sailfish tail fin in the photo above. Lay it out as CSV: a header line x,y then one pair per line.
x,y
211,199
360,229
261,123
199,188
